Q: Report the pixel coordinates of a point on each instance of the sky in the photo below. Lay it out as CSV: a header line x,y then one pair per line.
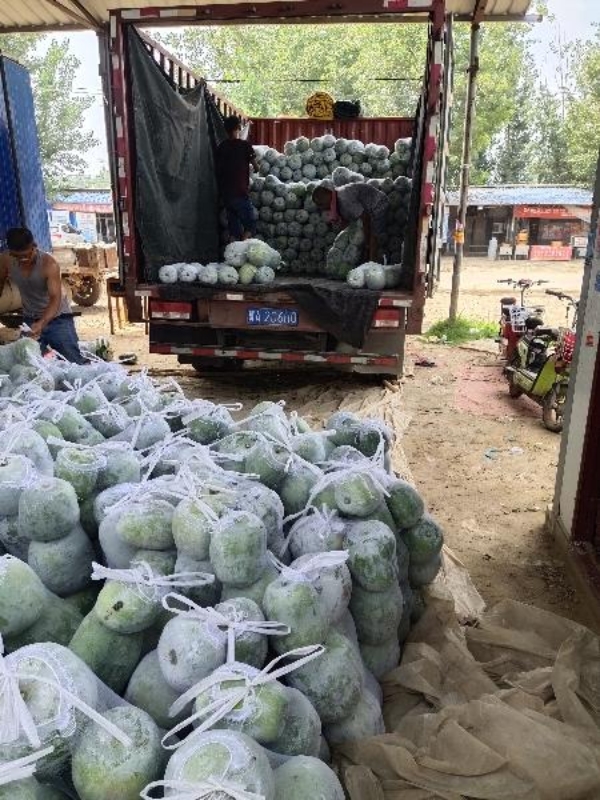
x,y
571,18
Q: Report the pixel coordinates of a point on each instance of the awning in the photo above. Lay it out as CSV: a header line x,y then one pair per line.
x,y
42,15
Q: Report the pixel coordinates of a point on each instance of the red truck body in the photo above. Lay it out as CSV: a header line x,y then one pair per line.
x,y
215,331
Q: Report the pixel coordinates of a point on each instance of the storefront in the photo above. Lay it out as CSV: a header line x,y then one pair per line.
x,y
575,515
540,223
553,231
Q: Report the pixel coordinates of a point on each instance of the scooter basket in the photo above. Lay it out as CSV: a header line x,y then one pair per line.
x,y
566,345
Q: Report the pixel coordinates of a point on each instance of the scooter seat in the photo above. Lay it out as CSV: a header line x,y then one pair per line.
x,y
544,331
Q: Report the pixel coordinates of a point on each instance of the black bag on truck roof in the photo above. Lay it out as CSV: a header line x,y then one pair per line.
x,y
346,109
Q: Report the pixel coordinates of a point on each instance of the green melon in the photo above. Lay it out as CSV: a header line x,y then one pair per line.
x,y
65,565
376,614
105,769
405,503
424,540
57,622
296,603
333,681
110,655
147,689
22,596
372,558
238,548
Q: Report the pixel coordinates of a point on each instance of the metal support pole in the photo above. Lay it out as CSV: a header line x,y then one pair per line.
x,y
465,168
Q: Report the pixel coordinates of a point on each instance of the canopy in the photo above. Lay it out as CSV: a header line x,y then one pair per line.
x,y
41,15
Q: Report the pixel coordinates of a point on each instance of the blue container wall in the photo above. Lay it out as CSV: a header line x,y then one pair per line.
x,y
20,166
10,210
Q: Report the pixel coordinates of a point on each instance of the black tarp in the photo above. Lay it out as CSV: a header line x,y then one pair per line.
x,y
176,199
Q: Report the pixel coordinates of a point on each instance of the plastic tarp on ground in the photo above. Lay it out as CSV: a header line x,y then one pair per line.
x,y
505,709
176,199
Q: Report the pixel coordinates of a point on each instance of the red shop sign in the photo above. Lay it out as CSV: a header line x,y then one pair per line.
x,y
543,212
540,252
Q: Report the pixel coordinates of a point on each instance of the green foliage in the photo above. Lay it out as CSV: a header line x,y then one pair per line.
x,y
504,59
522,131
461,330
258,67
582,124
59,114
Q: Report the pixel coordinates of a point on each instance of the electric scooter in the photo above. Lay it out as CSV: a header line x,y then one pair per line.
x,y
516,320
541,365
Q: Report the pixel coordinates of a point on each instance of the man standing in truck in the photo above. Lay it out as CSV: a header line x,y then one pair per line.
x,y
235,156
46,307
353,202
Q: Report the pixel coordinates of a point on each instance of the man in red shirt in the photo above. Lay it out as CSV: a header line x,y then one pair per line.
x,y
235,156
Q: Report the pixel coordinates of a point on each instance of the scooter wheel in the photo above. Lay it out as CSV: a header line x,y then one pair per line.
x,y
553,409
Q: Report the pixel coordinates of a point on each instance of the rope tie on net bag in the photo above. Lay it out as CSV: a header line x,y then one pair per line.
x,y
376,476
208,789
329,559
234,626
99,459
150,586
259,414
377,460
156,452
16,718
204,408
231,698
22,768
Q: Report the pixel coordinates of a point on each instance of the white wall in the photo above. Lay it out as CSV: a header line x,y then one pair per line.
x,y
577,412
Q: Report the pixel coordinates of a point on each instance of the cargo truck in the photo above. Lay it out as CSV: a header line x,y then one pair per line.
x,y
224,327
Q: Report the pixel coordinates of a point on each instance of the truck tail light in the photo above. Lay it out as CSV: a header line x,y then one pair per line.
x,y
386,318
163,310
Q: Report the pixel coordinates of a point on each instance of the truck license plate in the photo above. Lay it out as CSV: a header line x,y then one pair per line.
x,y
272,316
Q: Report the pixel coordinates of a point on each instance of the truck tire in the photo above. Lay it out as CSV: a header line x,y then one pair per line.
x,y
87,293
205,365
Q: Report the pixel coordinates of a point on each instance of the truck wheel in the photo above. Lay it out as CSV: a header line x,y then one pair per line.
x,y
87,292
205,365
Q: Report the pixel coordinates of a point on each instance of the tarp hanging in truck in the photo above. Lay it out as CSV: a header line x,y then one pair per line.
x,y
176,198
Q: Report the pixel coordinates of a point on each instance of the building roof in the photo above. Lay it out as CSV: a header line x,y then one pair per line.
x,y
523,195
28,15
85,197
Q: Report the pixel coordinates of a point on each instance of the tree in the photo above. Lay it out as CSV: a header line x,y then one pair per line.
x,y
551,141
269,70
59,114
583,114
101,180
513,152
503,58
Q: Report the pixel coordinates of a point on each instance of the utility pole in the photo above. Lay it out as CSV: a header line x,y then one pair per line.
x,y
466,156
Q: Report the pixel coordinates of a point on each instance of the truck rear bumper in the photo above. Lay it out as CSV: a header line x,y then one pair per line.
x,y
284,356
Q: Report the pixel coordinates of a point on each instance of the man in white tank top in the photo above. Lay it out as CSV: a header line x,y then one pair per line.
x,y
46,308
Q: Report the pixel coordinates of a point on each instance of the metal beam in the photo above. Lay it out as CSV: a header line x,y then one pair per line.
x,y
530,19
68,11
68,26
478,11
80,4
308,11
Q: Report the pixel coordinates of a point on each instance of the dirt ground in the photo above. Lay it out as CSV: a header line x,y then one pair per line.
x,y
484,463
